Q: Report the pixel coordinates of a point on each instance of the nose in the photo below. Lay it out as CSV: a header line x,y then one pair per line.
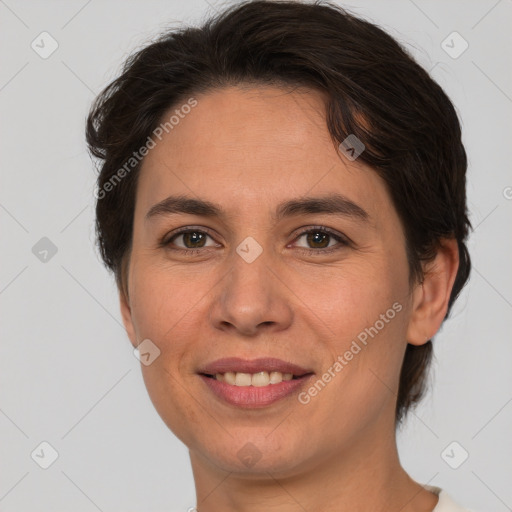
x,y
252,298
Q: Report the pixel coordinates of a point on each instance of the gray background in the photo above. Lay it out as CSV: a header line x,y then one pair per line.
x,y
67,372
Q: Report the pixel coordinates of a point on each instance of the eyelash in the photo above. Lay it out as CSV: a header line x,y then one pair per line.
x,y
343,241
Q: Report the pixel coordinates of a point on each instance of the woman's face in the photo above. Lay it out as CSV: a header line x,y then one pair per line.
x,y
306,286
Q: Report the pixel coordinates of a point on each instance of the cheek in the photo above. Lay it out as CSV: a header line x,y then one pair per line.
x,y
361,318
376,312
165,310
173,401
166,302
345,300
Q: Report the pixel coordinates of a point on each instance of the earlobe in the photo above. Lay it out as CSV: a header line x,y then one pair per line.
x,y
431,297
126,315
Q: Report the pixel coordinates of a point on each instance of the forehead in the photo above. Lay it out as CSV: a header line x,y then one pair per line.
x,y
238,146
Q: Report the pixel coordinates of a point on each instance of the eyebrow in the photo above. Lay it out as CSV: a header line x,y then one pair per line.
x,y
332,204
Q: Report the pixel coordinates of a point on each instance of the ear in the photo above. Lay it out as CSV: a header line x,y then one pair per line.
x,y
126,314
431,297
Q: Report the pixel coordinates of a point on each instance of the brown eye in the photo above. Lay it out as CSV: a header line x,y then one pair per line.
x,y
193,239
317,239
188,240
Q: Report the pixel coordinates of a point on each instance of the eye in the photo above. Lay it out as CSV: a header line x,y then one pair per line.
x,y
192,240
320,239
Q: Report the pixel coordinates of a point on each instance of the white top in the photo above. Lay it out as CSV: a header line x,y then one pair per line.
x,y
445,503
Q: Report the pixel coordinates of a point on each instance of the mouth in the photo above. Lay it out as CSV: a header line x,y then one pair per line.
x,y
253,383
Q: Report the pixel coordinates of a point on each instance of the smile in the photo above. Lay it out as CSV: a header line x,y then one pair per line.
x,y
253,383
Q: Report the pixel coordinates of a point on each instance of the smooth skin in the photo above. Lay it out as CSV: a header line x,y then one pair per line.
x,y
247,149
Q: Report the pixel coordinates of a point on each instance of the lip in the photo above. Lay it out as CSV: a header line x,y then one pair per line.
x,y
251,397
236,364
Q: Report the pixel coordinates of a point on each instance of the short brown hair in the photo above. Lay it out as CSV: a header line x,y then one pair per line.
x,y
374,88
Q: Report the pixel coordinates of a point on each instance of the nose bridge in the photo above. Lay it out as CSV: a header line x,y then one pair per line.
x,y
251,296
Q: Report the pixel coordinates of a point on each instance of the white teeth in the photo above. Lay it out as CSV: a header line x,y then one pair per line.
x,y
229,377
253,379
260,379
243,379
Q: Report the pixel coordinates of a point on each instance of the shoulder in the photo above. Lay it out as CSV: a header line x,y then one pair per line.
x,y
445,503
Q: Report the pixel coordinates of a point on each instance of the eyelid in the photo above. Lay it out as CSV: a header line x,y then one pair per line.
x,y
166,239
342,239
308,229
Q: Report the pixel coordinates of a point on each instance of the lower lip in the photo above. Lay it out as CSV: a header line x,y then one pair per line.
x,y
254,396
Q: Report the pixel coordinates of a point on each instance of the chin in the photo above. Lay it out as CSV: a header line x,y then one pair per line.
x,y
254,454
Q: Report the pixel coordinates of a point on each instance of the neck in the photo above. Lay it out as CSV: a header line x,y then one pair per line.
x,y
365,476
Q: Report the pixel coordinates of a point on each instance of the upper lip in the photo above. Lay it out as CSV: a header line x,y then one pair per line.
x,y
262,364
